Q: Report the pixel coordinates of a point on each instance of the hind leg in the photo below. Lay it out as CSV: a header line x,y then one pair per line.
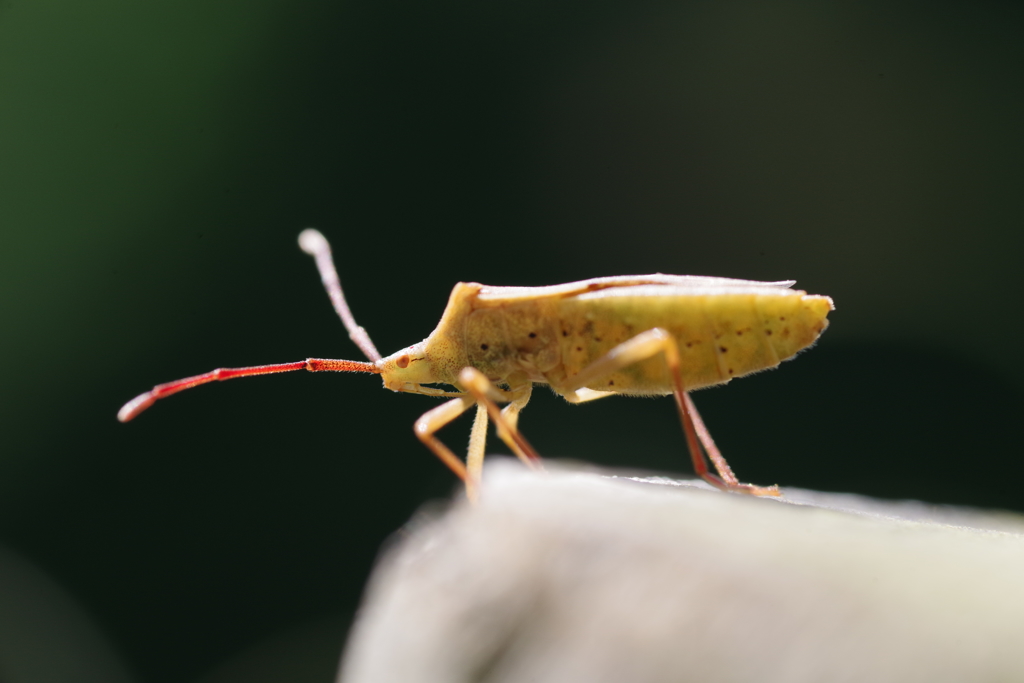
x,y
640,348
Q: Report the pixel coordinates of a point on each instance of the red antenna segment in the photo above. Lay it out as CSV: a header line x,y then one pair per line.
x,y
143,401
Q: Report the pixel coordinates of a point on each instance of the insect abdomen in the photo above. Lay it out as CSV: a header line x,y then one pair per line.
x,y
720,335
793,323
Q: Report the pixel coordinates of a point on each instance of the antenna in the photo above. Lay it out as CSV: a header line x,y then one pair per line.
x,y
313,243
143,401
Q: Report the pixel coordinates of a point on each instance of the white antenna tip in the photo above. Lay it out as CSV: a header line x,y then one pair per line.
x,y
312,242
135,406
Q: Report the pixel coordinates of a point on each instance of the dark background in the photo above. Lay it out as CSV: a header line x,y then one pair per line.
x,y
157,163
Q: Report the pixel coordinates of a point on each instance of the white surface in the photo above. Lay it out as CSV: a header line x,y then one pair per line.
x,y
570,576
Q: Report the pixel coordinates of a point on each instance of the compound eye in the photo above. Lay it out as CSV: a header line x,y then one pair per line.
x,y
403,361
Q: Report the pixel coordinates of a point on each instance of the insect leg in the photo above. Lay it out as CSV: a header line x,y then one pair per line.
x,y
520,395
478,437
505,420
433,420
477,445
640,348
709,444
584,395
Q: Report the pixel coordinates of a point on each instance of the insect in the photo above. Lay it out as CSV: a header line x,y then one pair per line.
x,y
638,335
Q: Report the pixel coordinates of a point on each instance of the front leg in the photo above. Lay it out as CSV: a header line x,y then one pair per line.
x,y
484,394
506,421
518,396
433,420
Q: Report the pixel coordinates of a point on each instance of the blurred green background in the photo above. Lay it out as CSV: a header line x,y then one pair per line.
x,y
157,162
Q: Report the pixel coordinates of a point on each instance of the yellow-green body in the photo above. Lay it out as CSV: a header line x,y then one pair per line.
x,y
724,329
635,335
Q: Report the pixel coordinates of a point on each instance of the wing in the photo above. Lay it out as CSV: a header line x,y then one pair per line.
x,y
625,285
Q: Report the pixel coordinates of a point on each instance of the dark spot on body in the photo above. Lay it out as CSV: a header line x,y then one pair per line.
x,y
768,332
579,348
722,349
611,382
597,339
782,317
689,344
565,333
730,371
739,333
532,335
484,347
